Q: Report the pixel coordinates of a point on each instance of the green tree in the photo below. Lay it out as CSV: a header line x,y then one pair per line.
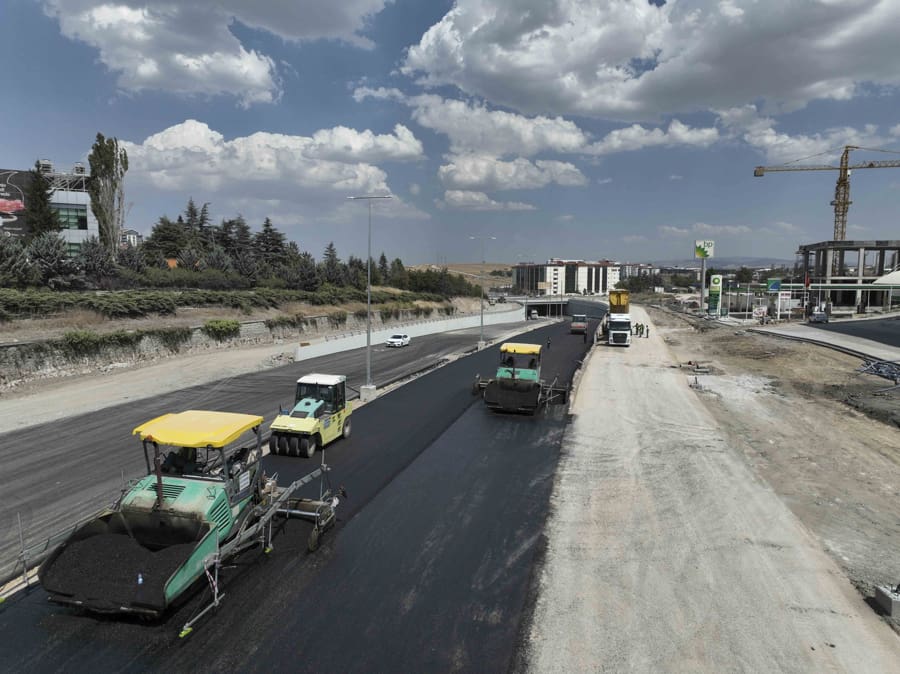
x,y
383,270
269,246
191,258
106,186
377,278
40,217
132,257
96,261
356,273
15,268
744,275
53,266
217,258
243,237
191,218
245,265
167,238
331,270
398,276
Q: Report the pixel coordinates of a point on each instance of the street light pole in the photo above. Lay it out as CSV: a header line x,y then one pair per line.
x,y
367,392
483,239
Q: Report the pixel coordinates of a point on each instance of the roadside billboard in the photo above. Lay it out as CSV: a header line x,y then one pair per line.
x,y
704,249
773,285
12,201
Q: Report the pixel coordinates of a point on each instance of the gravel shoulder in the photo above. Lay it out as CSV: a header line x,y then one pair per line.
x,y
714,529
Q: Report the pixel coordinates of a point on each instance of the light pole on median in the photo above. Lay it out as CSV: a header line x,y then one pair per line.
x,y
482,239
368,391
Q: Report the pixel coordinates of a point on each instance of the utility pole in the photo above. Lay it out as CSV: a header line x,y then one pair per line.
x,y
367,392
483,239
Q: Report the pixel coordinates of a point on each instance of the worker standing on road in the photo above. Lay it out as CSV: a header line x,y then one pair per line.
x,y
548,344
648,332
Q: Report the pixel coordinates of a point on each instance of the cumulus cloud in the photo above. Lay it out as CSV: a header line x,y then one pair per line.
x,y
745,122
189,48
669,230
707,229
466,200
632,59
414,189
484,173
895,130
471,127
300,172
637,137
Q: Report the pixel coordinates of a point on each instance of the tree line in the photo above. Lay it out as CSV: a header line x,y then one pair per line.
x,y
229,255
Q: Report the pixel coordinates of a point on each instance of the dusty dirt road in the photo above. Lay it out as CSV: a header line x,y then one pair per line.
x,y
668,548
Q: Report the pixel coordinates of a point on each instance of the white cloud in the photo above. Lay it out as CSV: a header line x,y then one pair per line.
x,y
484,173
895,130
675,176
189,48
637,137
478,201
633,60
604,181
303,173
759,131
414,189
634,238
474,128
669,230
564,218
732,230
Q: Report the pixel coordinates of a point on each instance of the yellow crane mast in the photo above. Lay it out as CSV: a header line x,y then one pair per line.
x,y
841,201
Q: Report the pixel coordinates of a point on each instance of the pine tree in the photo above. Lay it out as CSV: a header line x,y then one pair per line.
x,y
50,257
167,238
383,269
96,261
15,268
132,257
332,271
192,217
40,217
398,275
268,245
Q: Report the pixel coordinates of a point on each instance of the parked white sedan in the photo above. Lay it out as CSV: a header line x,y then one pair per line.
x,y
397,340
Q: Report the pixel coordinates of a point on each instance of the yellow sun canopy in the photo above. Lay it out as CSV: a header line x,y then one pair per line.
x,y
197,428
524,349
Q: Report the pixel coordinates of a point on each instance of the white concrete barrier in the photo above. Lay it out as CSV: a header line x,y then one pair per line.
x,y
415,329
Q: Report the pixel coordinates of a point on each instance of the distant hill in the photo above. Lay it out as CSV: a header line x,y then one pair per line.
x,y
728,262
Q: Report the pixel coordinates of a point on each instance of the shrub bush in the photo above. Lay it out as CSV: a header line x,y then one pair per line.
x,y
220,330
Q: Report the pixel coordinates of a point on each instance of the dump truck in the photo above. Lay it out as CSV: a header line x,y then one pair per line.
x,y
203,500
616,324
517,386
320,414
579,324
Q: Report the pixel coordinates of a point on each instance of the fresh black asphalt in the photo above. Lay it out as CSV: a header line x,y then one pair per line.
x,y
427,570
884,330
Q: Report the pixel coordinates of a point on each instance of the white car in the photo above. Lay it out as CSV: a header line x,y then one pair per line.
x,y
397,340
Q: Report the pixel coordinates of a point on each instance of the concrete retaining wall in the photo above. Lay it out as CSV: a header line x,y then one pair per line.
x,y
357,339
21,363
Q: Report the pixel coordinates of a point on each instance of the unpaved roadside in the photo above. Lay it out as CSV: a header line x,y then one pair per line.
x,y
792,409
668,549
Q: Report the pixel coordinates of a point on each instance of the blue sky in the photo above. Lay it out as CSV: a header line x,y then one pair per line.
x,y
622,129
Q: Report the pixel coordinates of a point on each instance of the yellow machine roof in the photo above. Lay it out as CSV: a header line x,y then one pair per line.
x,y
525,349
197,428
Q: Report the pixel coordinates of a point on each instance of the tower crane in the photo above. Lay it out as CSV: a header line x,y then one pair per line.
x,y
841,201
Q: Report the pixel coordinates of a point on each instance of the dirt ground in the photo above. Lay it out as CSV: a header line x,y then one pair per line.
x,y
814,429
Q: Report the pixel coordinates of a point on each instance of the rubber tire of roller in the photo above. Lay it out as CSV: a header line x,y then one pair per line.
x,y
283,444
309,449
312,543
347,429
293,446
273,443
